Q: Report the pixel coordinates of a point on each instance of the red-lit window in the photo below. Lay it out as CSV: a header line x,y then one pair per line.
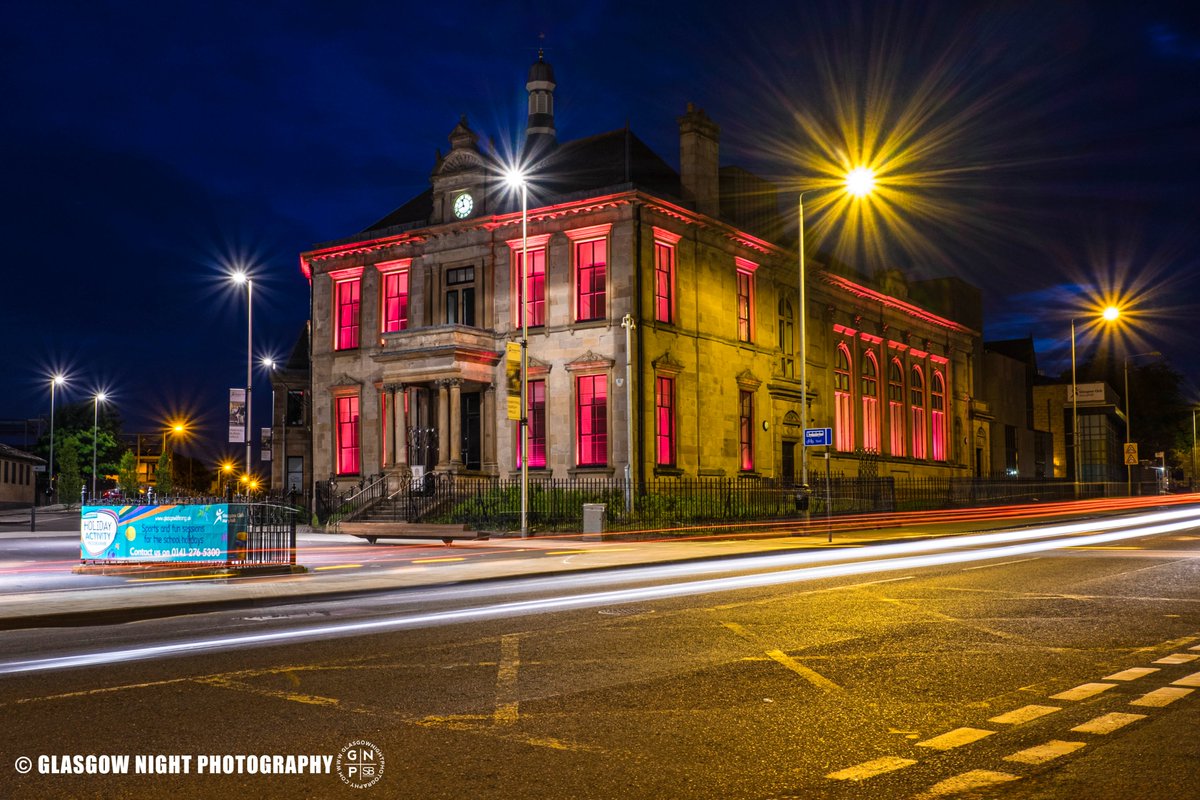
x,y
745,302
664,282
870,402
536,305
787,336
843,408
591,420
591,259
536,400
896,407
937,406
916,393
347,309
347,435
746,429
664,406
395,301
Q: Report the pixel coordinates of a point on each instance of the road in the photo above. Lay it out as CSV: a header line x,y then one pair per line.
x,y
1056,669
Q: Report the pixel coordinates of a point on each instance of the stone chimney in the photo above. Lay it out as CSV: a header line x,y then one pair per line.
x,y
699,138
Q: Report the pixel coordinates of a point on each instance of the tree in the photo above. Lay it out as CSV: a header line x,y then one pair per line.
x,y
162,474
127,474
69,480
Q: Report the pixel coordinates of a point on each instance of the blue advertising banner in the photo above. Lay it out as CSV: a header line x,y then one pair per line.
x,y
155,533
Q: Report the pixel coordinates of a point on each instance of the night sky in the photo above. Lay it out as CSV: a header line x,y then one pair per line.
x,y
1047,152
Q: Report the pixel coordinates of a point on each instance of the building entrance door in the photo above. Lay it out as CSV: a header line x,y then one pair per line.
x,y
787,464
471,438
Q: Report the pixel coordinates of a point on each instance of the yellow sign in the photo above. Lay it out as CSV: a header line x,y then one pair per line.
x,y
512,372
1131,455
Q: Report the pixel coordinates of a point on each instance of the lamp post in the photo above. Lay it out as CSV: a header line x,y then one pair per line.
x,y
516,179
270,364
58,379
860,182
1109,314
1128,421
1193,449
97,399
241,277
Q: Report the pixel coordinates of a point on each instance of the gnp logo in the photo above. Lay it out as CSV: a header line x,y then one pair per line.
x,y
97,529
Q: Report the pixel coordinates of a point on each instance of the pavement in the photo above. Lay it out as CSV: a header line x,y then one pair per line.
x,y
464,561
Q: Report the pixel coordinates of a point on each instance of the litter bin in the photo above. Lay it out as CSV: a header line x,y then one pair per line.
x,y
593,520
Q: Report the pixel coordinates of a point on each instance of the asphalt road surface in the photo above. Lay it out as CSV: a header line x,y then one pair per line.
x,y
1060,673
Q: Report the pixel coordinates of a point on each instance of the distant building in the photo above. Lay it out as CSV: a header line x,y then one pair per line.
x,y
411,318
1101,430
18,471
291,434
1018,448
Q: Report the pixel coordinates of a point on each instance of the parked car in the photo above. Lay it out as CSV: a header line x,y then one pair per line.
x,y
112,494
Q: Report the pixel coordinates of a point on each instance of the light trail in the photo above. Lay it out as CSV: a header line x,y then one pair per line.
x,y
1168,522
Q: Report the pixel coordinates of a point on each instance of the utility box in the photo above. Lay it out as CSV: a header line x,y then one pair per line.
x,y
593,520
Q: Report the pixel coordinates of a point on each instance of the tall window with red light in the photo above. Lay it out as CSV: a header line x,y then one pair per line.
x,y
535,306
745,304
896,407
937,415
347,435
348,299
591,420
591,263
916,392
787,337
664,434
843,408
395,301
746,430
536,400
664,282
870,402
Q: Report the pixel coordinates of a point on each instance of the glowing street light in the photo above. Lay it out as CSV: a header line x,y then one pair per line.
x,y
859,183
516,179
242,277
97,399
1109,314
56,380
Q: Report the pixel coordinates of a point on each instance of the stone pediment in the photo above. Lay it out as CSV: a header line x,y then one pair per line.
x,y
667,365
747,381
342,379
459,161
589,361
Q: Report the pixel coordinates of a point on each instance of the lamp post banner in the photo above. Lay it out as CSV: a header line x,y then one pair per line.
x,y
155,533
512,377
237,415
265,448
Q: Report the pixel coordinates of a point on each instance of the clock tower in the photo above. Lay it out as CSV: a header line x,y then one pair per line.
x,y
460,178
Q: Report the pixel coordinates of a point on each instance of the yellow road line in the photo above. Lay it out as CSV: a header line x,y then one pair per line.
x,y
1045,752
967,782
810,675
1188,680
955,738
337,566
1107,723
1024,714
1177,658
1161,697
506,680
1083,691
869,769
435,560
1131,674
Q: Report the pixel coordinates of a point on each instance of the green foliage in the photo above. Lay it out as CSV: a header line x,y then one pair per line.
x,y
165,484
69,480
127,474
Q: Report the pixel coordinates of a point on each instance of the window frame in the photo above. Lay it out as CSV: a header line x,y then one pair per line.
x,y
937,416
897,439
590,440
537,296
664,421
347,324
869,388
347,405
666,309
843,398
388,272
580,238
917,398
745,430
744,279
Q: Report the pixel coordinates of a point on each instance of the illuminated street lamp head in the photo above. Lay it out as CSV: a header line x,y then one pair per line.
x,y
514,177
239,276
58,379
268,362
1111,313
178,427
101,397
860,181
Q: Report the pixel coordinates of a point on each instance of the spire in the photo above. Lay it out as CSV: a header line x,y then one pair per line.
x,y
539,131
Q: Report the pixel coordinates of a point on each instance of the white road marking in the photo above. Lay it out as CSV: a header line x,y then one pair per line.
x,y
1161,697
955,738
1131,674
1083,691
1001,564
1023,714
1045,752
869,769
1107,723
1188,680
1177,658
967,782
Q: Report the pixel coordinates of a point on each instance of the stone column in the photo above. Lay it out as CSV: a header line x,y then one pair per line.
x,y
488,434
443,426
389,404
400,429
456,423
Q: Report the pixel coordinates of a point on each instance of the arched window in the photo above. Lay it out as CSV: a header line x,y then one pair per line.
x,y
870,402
843,411
916,399
787,336
937,415
896,407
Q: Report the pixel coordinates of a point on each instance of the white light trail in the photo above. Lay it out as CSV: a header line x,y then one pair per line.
x,y
1179,520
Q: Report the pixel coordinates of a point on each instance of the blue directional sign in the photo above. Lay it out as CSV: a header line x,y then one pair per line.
x,y
817,437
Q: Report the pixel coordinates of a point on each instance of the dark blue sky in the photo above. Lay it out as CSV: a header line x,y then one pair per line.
x,y
1052,151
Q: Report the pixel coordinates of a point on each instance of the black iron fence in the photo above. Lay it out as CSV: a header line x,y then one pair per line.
x,y
494,504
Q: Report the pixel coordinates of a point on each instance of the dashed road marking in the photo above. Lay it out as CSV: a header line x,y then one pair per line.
x,y
810,675
1083,691
1045,752
1177,658
1161,697
967,782
507,704
869,769
1131,674
955,738
1188,680
1023,714
1107,723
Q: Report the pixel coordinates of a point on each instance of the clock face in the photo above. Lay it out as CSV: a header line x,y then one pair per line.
x,y
463,204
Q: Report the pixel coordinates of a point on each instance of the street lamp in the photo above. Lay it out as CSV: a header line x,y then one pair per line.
x,y
56,380
1109,314
226,471
516,179
860,182
97,399
270,364
240,277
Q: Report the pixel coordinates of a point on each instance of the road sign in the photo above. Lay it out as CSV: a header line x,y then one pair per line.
x,y
817,437
1131,454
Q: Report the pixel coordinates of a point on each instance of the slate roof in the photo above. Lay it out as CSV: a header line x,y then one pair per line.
x,y
13,454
